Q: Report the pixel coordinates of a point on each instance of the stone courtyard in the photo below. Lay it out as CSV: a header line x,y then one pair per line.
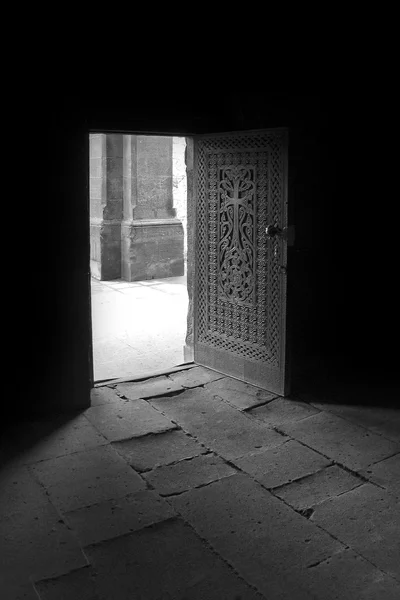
x,y
138,327
192,485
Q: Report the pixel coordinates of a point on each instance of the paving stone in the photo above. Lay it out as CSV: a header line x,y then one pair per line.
x,y
112,518
386,474
265,541
167,562
126,420
276,466
188,474
156,386
385,421
353,446
367,519
283,410
347,576
152,451
217,425
19,491
103,395
318,487
86,478
49,438
240,394
37,544
15,589
193,377
77,585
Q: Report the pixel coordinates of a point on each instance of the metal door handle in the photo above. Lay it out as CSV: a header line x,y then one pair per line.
x,y
273,231
287,233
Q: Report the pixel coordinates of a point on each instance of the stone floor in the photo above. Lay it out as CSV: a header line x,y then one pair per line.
x,y
138,327
195,486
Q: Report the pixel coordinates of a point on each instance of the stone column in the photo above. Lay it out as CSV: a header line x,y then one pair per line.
x,y
106,205
151,235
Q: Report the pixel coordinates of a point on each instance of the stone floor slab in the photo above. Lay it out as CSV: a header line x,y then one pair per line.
x,y
167,562
152,451
276,466
78,585
217,425
50,438
12,589
37,544
382,420
239,394
113,518
156,386
317,488
386,474
188,474
344,442
128,419
86,478
20,491
103,395
283,410
194,377
347,576
266,541
367,519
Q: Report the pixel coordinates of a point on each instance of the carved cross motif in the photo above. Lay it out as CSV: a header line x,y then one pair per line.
x,y
236,232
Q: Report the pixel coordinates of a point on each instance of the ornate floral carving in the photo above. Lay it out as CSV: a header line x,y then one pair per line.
x,y
236,228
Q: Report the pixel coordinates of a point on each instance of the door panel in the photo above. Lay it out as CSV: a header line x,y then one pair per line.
x,y
240,188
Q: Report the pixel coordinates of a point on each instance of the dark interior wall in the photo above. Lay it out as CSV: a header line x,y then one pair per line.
x,y
331,280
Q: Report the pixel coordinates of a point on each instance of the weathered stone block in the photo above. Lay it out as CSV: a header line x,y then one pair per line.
x,y
169,562
382,420
367,519
55,437
217,425
195,377
19,492
86,478
353,446
240,394
283,410
318,487
25,539
152,249
386,474
128,419
103,395
277,466
155,386
77,584
154,178
150,451
347,576
105,242
266,542
113,518
188,474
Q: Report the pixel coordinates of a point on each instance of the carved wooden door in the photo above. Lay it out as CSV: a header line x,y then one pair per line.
x,y
240,189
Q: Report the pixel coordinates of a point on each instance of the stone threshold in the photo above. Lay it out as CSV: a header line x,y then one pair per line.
x,y
143,377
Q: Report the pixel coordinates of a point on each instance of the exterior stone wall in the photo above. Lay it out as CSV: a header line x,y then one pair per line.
x,y
135,233
106,206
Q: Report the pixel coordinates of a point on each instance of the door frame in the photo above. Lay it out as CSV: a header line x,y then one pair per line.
x,y
191,237
188,351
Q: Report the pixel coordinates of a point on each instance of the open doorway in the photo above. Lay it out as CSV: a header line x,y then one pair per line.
x,y
138,240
